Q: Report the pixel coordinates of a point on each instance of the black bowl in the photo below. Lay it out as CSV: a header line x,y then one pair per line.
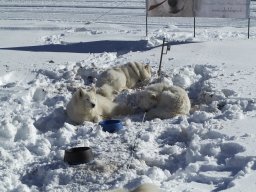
x,y
78,155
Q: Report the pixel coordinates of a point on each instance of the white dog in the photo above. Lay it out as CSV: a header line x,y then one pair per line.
x,y
116,79
87,105
171,8
143,188
163,101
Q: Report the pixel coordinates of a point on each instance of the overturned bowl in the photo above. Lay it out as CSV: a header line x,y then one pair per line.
x,y
78,155
111,126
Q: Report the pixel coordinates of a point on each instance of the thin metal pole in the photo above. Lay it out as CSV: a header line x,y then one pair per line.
x,y
249,22
249,17
146,25
194,26
146,18
161,57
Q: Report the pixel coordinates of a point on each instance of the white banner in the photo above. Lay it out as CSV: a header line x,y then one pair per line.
x,y
199,8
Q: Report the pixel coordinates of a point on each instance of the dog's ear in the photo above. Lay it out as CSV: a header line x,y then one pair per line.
x,y
93,89
153,96
80,92
147,67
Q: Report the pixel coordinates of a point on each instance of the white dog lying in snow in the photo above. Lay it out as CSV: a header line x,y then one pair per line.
x,y
116,79
163,101
87,105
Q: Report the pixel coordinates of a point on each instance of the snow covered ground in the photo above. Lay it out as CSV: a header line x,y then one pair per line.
x,y
48,47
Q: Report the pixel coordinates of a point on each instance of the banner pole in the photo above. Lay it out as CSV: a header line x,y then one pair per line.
x,y
146,18
249,22
249,16
146,25
194,26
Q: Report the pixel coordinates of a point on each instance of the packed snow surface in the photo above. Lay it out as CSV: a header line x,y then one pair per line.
x,y
50,48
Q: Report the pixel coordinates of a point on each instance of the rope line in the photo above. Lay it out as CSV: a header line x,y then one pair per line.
x,y
131,156
135,143
107,12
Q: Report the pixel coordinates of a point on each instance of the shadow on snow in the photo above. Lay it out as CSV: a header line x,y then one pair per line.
x,y
121,47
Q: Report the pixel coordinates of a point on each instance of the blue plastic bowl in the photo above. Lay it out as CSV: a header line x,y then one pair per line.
x,y
111,126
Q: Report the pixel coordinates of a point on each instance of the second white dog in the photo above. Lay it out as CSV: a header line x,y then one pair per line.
x,y
164,101
116,79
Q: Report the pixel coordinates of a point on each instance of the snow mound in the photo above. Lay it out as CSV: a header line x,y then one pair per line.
x,y
189,148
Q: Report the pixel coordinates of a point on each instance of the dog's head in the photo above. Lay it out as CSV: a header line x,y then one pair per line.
x,y
145,74
86,98
176,5
147,100
148,70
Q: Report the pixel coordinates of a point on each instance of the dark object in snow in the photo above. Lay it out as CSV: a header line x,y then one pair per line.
x,y
221,105
78,155
111,126
90,79
51,61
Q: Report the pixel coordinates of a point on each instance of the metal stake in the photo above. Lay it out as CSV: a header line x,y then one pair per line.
x,y
161,58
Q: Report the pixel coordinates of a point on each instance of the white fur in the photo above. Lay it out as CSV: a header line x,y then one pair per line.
x,y
175,8
127,76
87,105
147,187
164,101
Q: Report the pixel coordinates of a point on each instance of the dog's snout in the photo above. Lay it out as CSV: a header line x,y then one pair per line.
x,y
93,105
173,3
